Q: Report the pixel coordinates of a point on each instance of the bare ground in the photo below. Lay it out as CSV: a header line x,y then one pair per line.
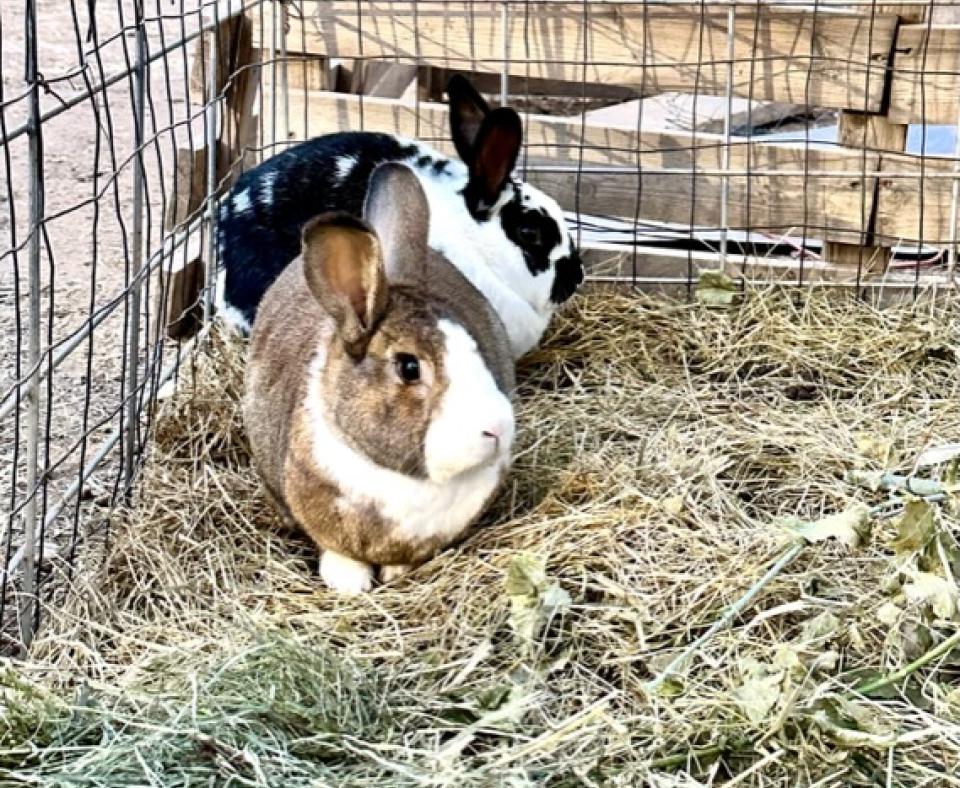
x,y
86,252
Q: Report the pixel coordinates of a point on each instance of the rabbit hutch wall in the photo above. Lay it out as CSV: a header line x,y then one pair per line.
x,y
765,196
781,141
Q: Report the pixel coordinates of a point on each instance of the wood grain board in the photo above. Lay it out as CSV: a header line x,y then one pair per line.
x,y
917,208
925,80
827,58
659,48
781,199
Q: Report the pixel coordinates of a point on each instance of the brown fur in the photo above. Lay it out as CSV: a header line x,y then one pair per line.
x,y
282,348
356,531
369,396
376,414
453,296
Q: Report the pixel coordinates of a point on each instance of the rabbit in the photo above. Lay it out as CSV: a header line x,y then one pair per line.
x,y
378,390
508,238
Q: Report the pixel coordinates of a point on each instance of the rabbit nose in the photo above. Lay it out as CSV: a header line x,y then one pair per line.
x,y
498,432
494,435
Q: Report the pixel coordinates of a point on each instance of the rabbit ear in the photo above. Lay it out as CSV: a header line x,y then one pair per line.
x,y
495,155
343,266
397,209
467,111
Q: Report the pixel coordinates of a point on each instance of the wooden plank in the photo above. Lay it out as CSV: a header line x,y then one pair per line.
x,y
675,273
875,133
311,72
822,58
835,207
383,79
237,130
908,12
190,182
815,207
200,59
234,89
922,89
433,83
925,81
178,306
703,113
234,36
649,262
916,208
189,186
180,312
307,72
243,129
237,75
315,72
371,77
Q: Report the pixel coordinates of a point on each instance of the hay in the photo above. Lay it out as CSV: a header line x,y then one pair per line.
x,y
664,451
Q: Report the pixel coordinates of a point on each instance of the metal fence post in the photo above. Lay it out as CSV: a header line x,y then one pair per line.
x,y
211,119
505,66
954,202
133,334
727,133
28,602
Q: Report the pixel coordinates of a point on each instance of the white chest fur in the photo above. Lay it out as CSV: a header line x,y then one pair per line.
x,y
419,509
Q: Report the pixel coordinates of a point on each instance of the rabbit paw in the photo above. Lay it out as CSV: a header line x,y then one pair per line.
x,y
390,573
344,575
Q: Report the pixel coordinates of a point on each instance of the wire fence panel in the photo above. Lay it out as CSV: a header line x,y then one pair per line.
x,y
792,139
93,111
810,143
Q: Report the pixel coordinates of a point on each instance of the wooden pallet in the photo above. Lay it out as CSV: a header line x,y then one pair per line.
x,y
882,68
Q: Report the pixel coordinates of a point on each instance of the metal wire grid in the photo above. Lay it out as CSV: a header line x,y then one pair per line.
x,y
96,363
808,230
86,352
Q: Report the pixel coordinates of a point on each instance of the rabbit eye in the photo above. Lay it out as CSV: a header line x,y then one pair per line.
x,y
528,234
408,367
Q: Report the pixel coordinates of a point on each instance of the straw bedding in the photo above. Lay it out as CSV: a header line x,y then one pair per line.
x,y
668,455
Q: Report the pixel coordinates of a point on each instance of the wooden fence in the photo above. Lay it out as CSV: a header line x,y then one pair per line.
x,y
285,73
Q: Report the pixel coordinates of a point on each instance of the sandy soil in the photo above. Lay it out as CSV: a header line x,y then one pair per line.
x,y
86,255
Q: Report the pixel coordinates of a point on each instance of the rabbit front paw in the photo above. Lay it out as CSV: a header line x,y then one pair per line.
x,y
344,575
390,573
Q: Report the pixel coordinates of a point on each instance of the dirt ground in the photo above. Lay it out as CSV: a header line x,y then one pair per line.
x,y
86,252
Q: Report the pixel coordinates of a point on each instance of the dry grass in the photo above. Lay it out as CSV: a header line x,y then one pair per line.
x,y
662,447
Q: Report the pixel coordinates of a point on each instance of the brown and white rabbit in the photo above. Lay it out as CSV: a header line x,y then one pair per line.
x,y
378,387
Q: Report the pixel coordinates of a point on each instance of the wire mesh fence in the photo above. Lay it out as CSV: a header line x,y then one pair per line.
x,y
806,143
94,107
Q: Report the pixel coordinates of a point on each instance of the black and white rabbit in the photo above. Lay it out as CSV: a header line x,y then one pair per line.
x,y
509,239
